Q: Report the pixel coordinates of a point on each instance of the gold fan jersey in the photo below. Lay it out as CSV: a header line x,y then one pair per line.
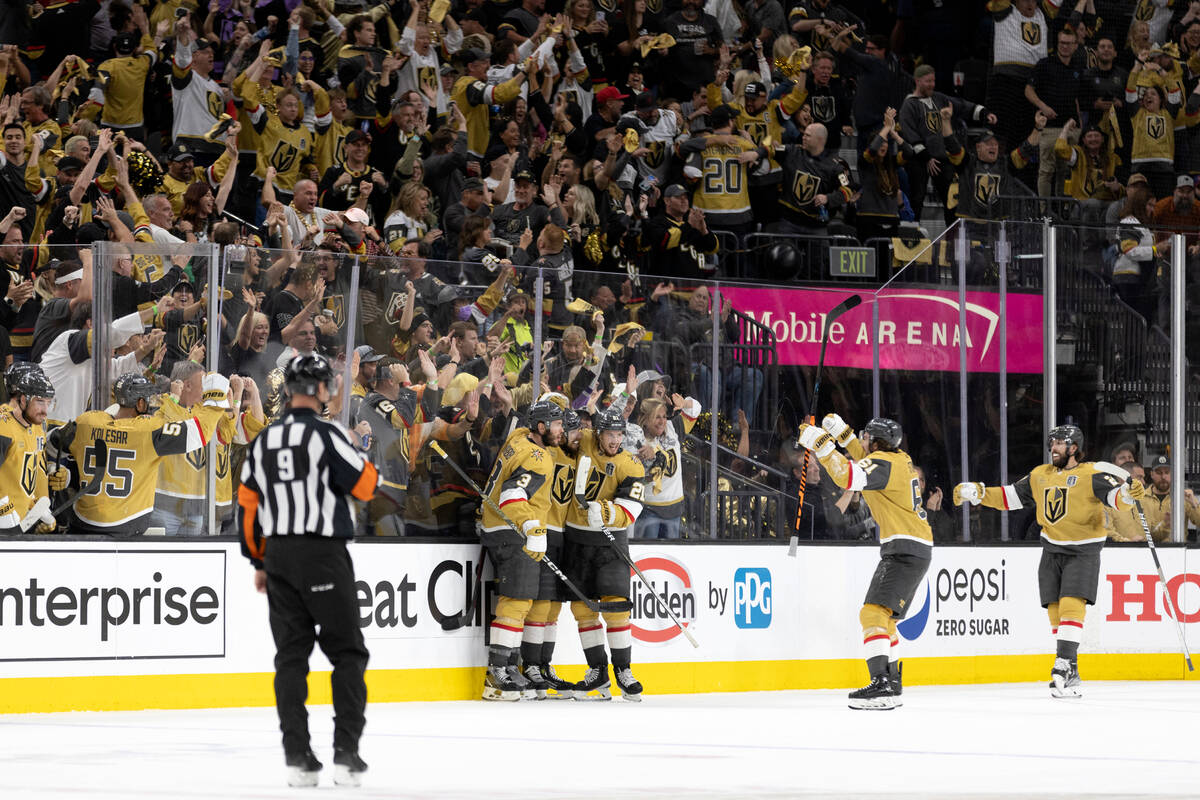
x,y
136,446
888,482
185,476
22,467
284,147
520,483
766,124
1069,503
1153,137
213,175
122,86
723,193
197,101
248,138
562,488
473,98
331,144
615,478
1086,178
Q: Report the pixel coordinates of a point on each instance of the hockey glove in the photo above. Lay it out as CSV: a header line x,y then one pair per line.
x,y
816,440
535,539
603,513
968,492
57,480
1132,491
837,427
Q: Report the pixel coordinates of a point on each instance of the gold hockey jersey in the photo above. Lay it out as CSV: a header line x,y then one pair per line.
x,y
136,446
22,467
888,482
1069,503
185,476
618,479
724,189
519,484
562,488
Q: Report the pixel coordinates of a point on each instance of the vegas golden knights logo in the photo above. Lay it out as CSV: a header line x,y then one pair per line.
x,y
337,304
339,151
283,156
222,462
986,188
757,131
563,486
1031,32
1089,183
215,105
428,79
189,335
805,186
197,458
655,157
823,109
29,471
1056,504
1156,127
653,6
1144,12
594,482
933,121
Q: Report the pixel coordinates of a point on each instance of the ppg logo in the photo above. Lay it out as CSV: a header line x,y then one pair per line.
x,y
752,597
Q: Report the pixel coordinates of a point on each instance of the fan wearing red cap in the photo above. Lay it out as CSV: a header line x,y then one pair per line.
x,y
607,110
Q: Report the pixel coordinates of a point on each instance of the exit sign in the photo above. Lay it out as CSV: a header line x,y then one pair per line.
x,y
852,262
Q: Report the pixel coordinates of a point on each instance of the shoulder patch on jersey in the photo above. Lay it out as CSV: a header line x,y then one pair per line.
x,y
1111,469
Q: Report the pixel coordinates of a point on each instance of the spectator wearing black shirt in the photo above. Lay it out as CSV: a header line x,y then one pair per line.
x,y
829,99
692,61
1054,88
1104,83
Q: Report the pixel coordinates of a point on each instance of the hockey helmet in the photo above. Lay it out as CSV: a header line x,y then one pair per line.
x,y
31,382
129,388
571,420
1071,434
885,432
13,374
610,419
304,374
542,411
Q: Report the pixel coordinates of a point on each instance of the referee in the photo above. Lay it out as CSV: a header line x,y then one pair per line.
x,y
293,490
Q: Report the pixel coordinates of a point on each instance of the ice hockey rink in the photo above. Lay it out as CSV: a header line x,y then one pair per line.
x,y
1122,739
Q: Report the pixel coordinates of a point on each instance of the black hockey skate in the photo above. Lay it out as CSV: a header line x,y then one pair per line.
x,y
1064,680
499,685
533,675
556,687
595,685
303,769
348,768
876,696
523,683
895,671
631,689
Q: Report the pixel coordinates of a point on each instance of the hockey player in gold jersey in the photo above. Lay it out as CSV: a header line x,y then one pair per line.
x,y
885,475
136,444
22,446
615,492
1069,497
541,625
520,486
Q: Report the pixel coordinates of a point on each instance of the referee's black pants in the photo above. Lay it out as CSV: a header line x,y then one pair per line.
x,y
310,583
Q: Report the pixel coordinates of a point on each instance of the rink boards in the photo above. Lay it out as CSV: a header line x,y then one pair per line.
x,y
178,625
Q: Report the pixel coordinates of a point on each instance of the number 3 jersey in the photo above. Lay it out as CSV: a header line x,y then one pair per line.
x,y
520,484
136,447
618,479
888,482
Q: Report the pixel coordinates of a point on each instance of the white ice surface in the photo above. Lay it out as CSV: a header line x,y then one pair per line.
x,y
1123,739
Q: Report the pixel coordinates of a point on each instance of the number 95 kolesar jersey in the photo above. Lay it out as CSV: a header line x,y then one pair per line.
x,y
136,448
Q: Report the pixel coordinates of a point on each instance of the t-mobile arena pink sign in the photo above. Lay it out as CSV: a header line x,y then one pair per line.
x,y
918,328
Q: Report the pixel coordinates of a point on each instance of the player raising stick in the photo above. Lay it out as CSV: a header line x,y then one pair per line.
x,y
888,480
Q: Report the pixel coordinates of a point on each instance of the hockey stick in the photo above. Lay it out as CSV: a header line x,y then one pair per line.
x,y
835,312
547,563
581,477
1162,579
93,485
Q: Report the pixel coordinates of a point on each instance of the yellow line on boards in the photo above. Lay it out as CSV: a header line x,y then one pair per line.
x,y
229,690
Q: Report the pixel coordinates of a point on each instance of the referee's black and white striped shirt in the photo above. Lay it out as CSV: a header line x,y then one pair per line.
x,y
295,481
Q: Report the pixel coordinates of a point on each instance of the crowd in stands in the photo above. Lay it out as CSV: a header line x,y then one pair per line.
x,y
441,154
